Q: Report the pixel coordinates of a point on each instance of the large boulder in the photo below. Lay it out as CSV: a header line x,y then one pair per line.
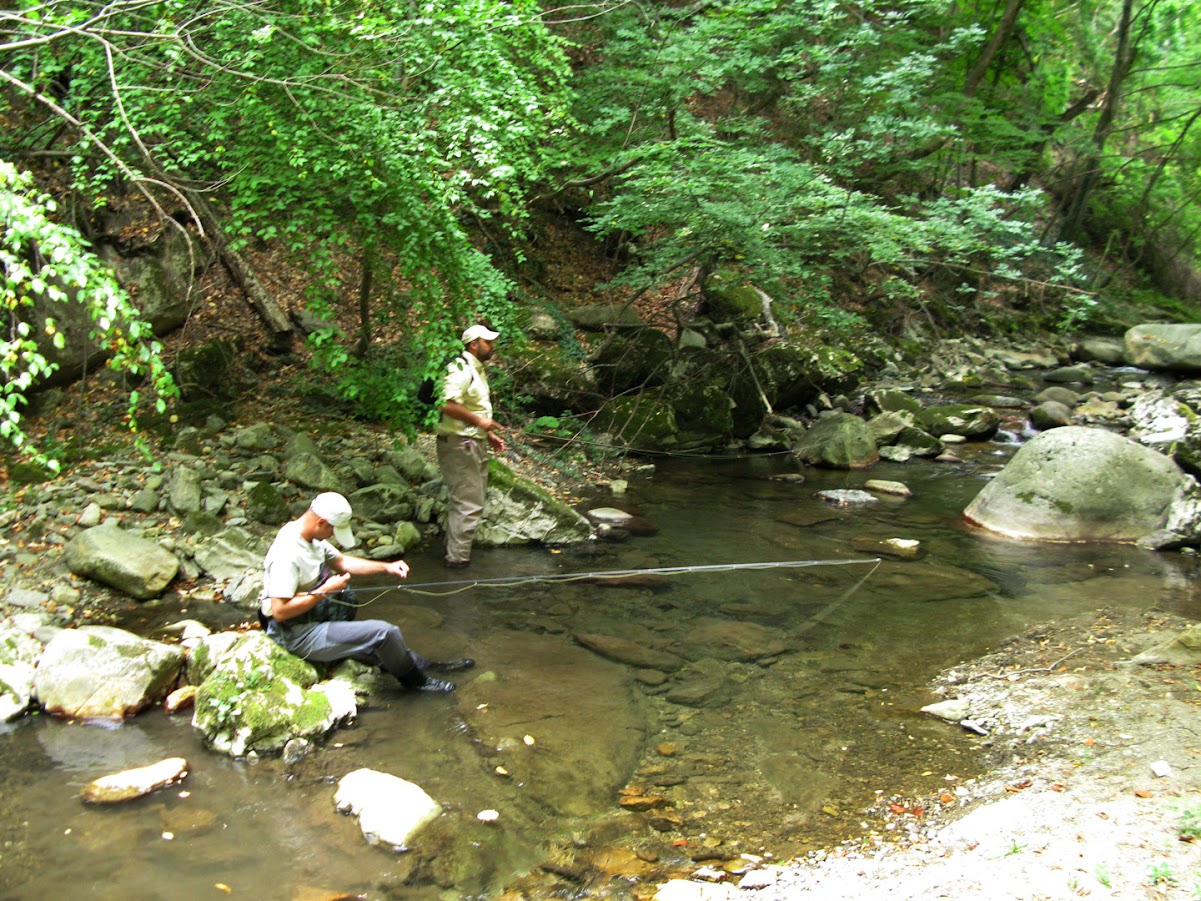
x,y
518,512
553,376
104,671
121,560
1165,346
839,441
1081,484
643,421
257,697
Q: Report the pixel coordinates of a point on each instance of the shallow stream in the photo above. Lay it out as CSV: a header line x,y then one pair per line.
x,y
794,707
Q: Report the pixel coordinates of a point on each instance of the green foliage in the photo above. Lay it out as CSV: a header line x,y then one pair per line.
x,y
327,126
46,266
813,199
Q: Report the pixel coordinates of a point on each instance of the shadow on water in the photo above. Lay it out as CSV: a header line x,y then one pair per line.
x,y
752,711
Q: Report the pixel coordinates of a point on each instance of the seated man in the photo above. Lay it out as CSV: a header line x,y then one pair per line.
x,y
306,609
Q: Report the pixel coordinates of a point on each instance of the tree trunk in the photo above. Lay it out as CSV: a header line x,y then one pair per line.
x,y
1089,168
1004,29
279,327
365,279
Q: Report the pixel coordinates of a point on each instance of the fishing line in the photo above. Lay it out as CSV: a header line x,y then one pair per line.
x,y
457,587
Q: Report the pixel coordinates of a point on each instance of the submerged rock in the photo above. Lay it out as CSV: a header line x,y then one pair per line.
x,y
130,784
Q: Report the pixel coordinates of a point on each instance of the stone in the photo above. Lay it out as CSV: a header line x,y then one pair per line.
x,y
1165,346
838,441
184,494
892,547
1059,394
630,653
1110,351
727,639
136,783
19,654
952,711
519,512
848,497
1050,415
104,671
1080,484
180,699
970,420
308,470
121,560
1078,374
257,697
391,810
884,486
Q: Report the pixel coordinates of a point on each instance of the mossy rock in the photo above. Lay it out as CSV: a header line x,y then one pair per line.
x,y
704,408
643,421
728,298
265,504
632,360
554,379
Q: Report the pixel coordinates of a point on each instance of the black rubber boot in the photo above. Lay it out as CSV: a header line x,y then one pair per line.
x,y
451,666
416,680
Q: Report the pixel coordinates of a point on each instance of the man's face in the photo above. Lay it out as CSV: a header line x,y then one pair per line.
x,y
482,349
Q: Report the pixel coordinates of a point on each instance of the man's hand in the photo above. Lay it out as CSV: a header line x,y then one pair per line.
x,y
497,442
397,568
333,584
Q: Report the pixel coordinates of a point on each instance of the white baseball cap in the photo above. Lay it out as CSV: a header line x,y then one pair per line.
x,y
473,332
335,510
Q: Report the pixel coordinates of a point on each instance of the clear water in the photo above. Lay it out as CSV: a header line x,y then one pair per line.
x,y
796,702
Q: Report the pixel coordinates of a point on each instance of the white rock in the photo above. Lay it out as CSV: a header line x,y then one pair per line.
x,y
390,810
952,711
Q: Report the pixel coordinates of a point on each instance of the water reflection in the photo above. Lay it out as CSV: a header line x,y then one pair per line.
x,y
777,702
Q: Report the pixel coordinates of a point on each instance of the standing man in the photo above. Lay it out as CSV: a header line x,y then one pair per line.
x,y
306,607
464,434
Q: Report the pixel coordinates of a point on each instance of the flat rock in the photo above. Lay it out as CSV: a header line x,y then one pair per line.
x,y
130,784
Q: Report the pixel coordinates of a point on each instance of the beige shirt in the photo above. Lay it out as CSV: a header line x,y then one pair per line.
x,y
465,384
293,565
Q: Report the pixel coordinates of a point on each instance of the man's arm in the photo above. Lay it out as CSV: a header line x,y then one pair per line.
x,y
345,566
360,566
283,609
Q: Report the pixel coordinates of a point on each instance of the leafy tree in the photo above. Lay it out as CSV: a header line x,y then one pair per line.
x,y
808,145
327,128
48,263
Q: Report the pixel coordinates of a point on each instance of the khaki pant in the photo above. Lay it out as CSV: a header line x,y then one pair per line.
x,y
464,465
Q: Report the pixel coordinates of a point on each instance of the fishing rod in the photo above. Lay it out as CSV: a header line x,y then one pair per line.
x,y
436,589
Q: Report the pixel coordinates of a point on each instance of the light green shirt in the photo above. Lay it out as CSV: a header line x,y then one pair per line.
x,y
465,384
